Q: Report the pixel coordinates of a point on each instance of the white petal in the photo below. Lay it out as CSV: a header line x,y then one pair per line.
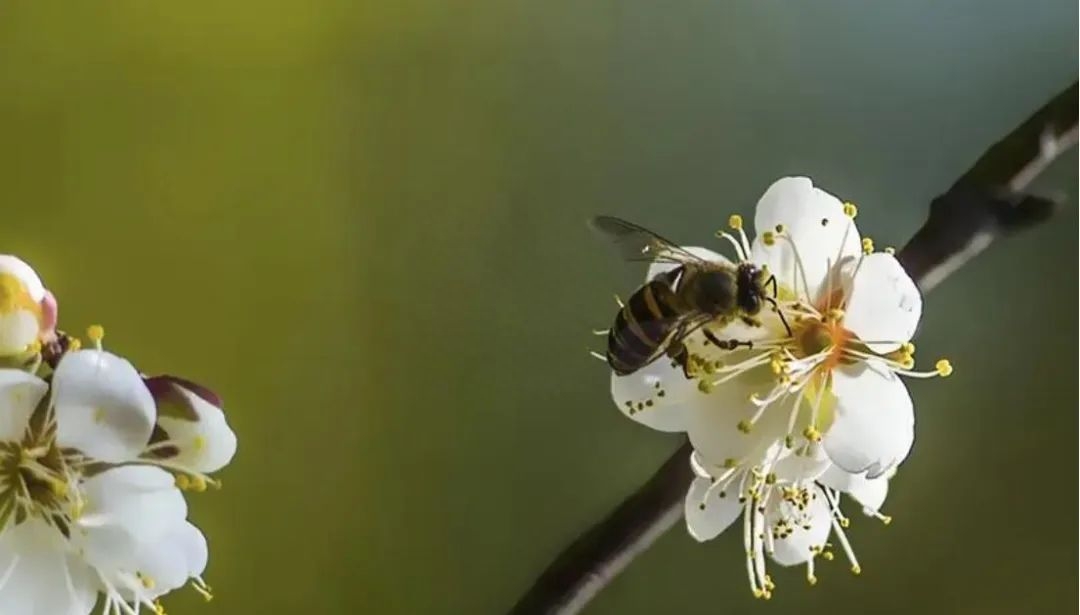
x,y
206,445
884,304
791,467
714,418
25,274
707,517
37,576
102,406
126,508
177,556
868,492
796,548
18,329
658,395
874,425
656,269
815,222
20,393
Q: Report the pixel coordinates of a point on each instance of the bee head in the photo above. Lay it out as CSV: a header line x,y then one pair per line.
x,y
751,288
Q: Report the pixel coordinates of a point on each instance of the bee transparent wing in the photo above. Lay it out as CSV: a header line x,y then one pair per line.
x,y
637,244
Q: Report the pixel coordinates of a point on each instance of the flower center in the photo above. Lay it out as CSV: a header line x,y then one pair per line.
x,y
814,336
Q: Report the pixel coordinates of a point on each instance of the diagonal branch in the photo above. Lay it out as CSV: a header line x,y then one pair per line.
x,y
987,202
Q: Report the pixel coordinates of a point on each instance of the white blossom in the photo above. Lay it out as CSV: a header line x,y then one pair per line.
x,y
815,406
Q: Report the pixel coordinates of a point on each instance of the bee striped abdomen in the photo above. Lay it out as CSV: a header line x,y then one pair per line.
x,y
642,327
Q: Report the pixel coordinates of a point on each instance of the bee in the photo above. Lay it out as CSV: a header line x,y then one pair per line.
x,y
695,295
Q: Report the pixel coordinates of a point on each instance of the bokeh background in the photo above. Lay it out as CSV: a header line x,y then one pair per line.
x,y
363,224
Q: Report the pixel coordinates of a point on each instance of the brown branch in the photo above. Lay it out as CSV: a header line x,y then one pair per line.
x,y
984,204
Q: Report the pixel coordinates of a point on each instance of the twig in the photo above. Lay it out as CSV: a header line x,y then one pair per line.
x,y
985,203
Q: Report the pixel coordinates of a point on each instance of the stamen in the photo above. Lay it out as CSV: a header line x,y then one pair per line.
x,y
800,269
742,256
736,222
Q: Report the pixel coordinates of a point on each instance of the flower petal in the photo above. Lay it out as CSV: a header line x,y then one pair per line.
x,y
127,508
884,305
874,425
796,548
707,517
177,556
192,418
18,330
656,268
870,493
20,393
658,395
102,406
37,577
816,224
714,418
24,273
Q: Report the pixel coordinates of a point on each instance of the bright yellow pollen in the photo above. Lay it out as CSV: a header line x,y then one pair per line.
x,y
850,210
811,579
147,581
198,484
867,245
908,348
745,426
95,333
856,569
812,434
74,344
735,221
943,367
182,482
768,238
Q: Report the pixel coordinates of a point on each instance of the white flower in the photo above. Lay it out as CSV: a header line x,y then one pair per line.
x,y
92,464
27,310
815,405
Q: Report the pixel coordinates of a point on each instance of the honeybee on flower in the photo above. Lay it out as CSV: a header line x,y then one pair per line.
x,y
799,405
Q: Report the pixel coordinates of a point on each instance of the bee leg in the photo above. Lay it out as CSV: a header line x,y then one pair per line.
x,y
680,356
709,335
751,322
780,313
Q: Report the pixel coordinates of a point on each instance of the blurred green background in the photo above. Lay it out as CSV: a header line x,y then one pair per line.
x,y
362,223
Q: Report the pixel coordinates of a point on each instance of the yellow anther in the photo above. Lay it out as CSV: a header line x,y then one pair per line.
x,y
907,361
705,386
74,344
908,348
159,609
886,519
767,595
943,367
33,347
850,210
856,569
768,238
198,484
95,333
759,593
845,522
867,245
769,585
812,434
147,582
744,426
827,556
811,579
835,315
182,481
58,487
780,229
789,441
735,221
770,479
777,366
890,250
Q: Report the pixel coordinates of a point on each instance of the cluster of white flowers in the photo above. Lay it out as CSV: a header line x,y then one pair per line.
x,y
93,458
815,408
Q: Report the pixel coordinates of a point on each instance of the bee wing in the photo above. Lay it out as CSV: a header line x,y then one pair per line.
x,y
637,244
